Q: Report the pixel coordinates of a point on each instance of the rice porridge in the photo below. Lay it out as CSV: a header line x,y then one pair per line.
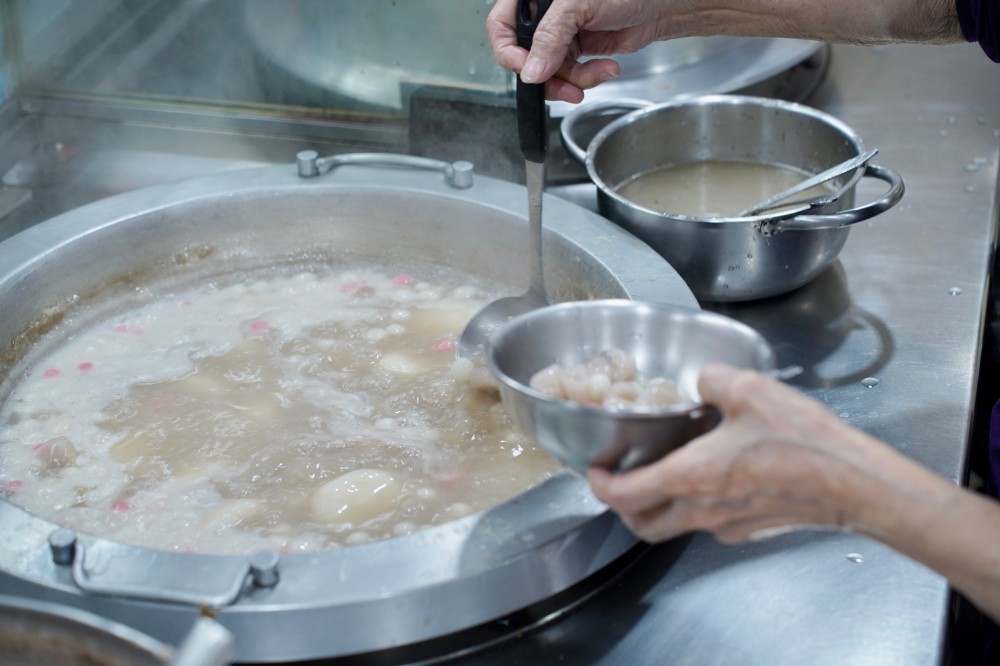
x,y
296,411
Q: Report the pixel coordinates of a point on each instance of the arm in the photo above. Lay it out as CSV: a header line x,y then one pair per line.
x,y
780,461
573,28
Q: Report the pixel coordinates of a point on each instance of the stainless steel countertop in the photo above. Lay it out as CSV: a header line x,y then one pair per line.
x,y
904,305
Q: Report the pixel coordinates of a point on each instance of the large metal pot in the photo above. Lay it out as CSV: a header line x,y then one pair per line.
x,y
738,258
350,600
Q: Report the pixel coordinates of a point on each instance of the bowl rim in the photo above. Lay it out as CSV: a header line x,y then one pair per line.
x,y
691,408
631,118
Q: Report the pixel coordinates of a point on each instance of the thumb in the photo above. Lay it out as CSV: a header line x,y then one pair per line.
x,y
714,382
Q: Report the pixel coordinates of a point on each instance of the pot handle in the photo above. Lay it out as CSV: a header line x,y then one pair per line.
x,y
845,217
458,174
569,122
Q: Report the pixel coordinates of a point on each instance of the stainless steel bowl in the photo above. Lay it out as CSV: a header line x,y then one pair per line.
x,y
668,341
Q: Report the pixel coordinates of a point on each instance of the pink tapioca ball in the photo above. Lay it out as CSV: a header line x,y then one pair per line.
x,y
348,287
120,506
256,328
448,476
13,485
51,372
404,280
86,366
130,330
444,345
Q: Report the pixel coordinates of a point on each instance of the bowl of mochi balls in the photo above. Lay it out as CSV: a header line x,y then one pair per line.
x,y
613,383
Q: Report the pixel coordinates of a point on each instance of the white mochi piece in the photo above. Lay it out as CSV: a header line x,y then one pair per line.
x,y
356,497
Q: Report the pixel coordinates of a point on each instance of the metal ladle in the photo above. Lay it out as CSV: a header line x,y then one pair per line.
x,y
533,135
780,200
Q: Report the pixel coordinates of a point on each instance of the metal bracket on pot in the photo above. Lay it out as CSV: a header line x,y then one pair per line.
x,y
458,174
113,569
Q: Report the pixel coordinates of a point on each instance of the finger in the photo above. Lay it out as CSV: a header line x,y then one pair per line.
x,y
550,45
714,383
587,75
661,523
558,90
728,524
502,34
636,491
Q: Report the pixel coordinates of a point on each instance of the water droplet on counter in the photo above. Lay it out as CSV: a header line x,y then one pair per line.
x,y
996,133
971,167
981,160
857,558
845,415
870,382
943,133
981,120
970,188
954,291
952,120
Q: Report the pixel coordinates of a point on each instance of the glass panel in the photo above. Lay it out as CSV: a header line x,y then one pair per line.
x,y
313,57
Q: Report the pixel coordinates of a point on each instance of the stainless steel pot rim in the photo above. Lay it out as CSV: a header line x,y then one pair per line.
x,y
96,623
714,100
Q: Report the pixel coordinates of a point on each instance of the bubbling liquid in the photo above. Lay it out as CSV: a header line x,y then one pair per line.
x,y
293,412
713,188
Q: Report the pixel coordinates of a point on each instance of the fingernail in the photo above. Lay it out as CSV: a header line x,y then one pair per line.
x,y
532,70
604,76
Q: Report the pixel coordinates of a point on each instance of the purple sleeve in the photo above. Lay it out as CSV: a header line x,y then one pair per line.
x,y
980,22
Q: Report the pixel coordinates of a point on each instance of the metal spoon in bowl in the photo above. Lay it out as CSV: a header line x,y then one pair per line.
x,y
779,200
533,136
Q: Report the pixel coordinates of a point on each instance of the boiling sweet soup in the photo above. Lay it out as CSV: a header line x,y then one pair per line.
x,y
295,412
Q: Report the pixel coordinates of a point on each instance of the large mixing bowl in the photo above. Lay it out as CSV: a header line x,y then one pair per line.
x,y
731,258
350,600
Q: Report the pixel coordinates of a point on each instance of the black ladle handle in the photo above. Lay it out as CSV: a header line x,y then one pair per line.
x,y
532,116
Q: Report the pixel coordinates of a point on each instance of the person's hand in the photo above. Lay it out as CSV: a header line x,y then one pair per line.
x,y
567,31
778,460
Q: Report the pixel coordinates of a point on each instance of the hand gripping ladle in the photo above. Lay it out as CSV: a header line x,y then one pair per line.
x,y
533,137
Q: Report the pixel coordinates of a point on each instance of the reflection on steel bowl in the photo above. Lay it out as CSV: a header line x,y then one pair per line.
x,y
732,258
